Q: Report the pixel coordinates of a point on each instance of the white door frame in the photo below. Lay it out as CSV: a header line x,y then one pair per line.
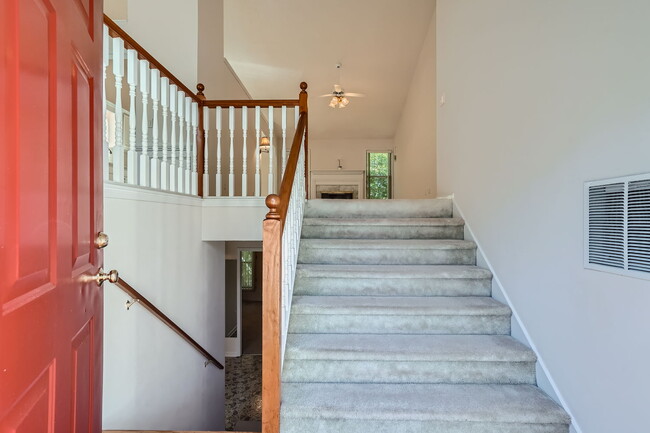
x,y
233,344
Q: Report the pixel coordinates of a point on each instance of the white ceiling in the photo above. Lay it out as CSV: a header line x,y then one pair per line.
x,y
273,45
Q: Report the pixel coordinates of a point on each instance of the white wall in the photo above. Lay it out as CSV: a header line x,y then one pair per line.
x,y
153,380
415,137
324,154
186,37
542,96
168,30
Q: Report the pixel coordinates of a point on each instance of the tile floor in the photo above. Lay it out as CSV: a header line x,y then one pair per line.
x,y
243,390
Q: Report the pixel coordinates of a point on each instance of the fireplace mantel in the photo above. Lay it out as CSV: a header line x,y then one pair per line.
x,y
343,178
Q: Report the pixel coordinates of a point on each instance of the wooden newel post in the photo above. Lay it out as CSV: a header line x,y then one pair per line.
x,y
271,315
302,98
200,140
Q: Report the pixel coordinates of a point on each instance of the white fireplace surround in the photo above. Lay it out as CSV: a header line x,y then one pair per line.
x,y
343,178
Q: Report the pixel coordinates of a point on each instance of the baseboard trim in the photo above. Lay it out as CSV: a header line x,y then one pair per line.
x,y
554,389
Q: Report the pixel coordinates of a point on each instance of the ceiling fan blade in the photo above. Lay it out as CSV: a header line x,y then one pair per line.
x,y
327,95
355,95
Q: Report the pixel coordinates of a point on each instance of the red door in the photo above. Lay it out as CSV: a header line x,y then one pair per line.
x,y
50,212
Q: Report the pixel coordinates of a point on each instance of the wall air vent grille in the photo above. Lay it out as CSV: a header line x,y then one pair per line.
x,y
617,225
638,226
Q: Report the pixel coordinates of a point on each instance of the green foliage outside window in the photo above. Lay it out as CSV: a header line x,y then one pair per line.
x,y
246,270
379,175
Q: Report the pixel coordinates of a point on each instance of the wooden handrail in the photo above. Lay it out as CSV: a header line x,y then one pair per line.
x,y
128,289
240,103
273,228
290,172
115,30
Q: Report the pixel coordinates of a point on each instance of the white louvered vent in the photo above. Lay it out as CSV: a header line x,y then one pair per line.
x,y
617,225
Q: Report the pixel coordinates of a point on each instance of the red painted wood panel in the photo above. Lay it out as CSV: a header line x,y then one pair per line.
x,y
50,210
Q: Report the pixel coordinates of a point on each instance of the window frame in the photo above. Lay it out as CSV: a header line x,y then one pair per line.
x,y
389,177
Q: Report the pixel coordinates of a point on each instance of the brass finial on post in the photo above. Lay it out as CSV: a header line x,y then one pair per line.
x,y
200,87
302,97
273,203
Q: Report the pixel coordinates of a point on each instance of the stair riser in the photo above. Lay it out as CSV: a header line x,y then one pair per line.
x,y
378,324
432,256
381,232
302,425
440,208
392,287
475,372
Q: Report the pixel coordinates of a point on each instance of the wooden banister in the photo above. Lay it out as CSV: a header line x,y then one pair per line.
x,y
240,103
290,172
116,31
273,228
128,289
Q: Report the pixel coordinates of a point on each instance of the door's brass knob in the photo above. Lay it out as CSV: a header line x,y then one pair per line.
x,y
111,276
101,241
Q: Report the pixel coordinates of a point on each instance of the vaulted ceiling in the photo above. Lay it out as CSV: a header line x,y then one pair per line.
x,y
273,45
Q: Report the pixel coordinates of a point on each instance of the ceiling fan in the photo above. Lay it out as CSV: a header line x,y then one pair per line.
x,y
340,96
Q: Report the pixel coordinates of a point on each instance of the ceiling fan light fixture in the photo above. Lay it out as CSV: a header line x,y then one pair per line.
x,y
334,102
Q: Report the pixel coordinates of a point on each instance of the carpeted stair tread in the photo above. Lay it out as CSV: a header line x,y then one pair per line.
x,y
432,208
396,305
387,252
381,347
523,404
392,271
391,244
382,228
392,280
392,222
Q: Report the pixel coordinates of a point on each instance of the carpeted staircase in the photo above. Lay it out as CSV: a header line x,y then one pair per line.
x,y
393,329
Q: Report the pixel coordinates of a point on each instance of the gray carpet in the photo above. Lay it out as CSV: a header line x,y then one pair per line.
x,y
393,329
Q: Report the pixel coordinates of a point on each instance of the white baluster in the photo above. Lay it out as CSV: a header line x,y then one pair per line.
x,y
206,160
132,79
284,138
258,191
173,171
231,174
164,102
155,97
296,117
187,182
271,188
195,130
180,169
118,72
244,176
106,59
145,164
218,184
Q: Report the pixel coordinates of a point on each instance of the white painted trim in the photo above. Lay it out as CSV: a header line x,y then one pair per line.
x,y
140,193
135,192
234,201
515,315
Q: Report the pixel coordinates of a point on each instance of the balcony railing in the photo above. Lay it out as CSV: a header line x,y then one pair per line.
x,y
161,135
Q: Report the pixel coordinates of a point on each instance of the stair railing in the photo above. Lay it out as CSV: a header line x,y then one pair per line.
x,y
174,137
281,239
242,119
169,159
138,298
